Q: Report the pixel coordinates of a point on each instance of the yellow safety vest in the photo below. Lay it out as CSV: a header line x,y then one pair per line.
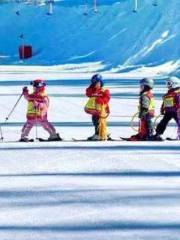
x,y
169,99
33,112
152,105
152,102
92,105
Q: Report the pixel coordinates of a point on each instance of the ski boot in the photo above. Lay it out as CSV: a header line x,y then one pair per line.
x,y
109,138
134,138
25,139
55,137
157,137
94,137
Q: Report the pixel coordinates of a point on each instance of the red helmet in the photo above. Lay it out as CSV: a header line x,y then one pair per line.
x,y
39,84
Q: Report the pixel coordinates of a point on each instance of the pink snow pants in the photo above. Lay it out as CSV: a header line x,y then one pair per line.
x,y
31,123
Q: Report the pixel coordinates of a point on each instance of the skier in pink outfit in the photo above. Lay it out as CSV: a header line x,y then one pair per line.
x,y
38,103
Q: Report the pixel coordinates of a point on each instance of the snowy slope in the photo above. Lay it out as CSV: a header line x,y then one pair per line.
x,y
115,37
80,190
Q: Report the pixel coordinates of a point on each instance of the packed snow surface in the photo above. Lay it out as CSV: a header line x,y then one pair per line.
x,y
86,190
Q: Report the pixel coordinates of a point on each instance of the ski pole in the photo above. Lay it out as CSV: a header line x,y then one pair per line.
x,y
86,8
135,6
8,116
155,120
36,126
155,3
1,133
95,6
50,7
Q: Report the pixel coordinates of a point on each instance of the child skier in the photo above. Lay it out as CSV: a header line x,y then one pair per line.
x,y
146,111
98,107
38,103
170,108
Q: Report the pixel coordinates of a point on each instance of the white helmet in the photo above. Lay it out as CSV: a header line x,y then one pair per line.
x,y
173,82
147,82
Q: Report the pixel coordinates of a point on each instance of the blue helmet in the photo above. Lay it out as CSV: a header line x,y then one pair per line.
x,y
97,78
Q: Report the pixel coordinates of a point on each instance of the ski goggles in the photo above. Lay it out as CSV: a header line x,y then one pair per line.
x,y
169,84
38,84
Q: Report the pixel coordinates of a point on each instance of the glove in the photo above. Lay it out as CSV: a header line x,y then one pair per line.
x,y
162,111
25,89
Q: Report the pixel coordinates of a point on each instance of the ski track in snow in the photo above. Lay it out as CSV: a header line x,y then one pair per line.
x,y
87,190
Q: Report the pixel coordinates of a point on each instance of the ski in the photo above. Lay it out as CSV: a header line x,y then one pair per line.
x,y
124,138
26,141
87,140
47,140
18,141
152,140
113,139
128,139
81,140
172,139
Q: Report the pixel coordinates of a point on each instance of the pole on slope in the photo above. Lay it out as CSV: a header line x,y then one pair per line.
x,y
155,3
21,37
95,6
135,9
85,8
50,7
